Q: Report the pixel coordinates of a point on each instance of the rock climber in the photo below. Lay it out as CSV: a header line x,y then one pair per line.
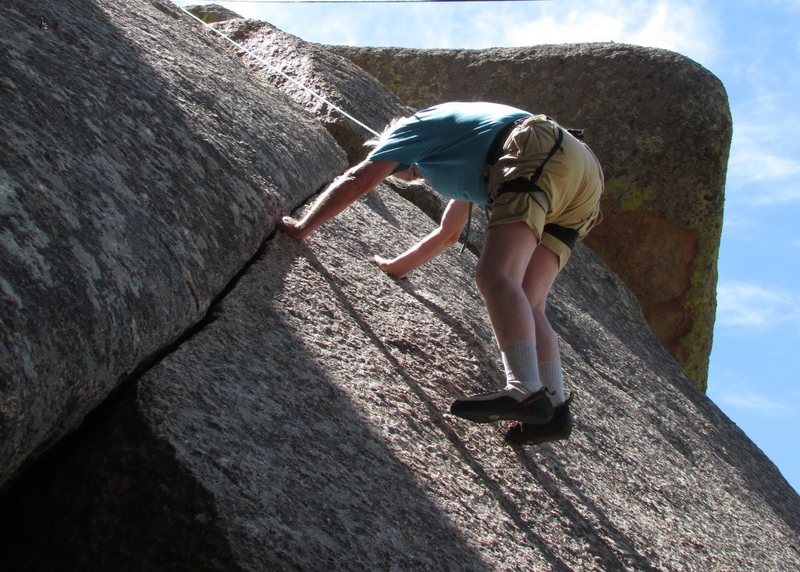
x,y
542,185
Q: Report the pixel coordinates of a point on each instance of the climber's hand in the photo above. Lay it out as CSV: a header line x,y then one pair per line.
x,y
292,227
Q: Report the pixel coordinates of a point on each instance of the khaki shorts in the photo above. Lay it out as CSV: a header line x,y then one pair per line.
x,y
522,207
572,180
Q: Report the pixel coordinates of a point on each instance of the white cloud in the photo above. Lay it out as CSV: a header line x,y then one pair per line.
x,y
763,79
738,221
753,161
676,26
588,26
732,389
685,27
748,305
779,194
753,401
761,155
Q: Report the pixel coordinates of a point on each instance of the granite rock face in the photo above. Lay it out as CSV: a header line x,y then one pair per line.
x,y
306,428
134,185
301,421
661,127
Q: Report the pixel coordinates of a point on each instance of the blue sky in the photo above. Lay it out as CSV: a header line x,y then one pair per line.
x,y
754,48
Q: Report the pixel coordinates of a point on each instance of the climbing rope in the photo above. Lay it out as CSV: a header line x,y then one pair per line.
x,y
282,74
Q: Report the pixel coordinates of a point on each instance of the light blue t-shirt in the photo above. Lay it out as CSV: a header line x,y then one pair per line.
x,y
449,143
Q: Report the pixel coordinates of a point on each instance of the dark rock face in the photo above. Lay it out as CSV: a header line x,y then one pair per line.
x,y
135,184
660,125
301,424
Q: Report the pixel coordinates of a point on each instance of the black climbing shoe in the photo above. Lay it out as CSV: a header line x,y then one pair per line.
x,y
557,429
509,403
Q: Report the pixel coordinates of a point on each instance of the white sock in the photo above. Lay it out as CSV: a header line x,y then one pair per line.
x,y
522,370
553,379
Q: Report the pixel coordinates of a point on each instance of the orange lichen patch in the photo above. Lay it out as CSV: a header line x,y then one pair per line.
x,y
655,258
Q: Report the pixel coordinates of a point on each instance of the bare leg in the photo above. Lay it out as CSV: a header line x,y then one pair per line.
x,y
501,269
539,278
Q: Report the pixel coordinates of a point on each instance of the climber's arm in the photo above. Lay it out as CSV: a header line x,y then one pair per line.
x,y
342,192
453,220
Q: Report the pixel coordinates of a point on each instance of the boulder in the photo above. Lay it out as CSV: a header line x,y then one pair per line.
x,y
661,127
135,184
305,427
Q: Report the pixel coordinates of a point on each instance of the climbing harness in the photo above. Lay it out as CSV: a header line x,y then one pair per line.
x,y
281,73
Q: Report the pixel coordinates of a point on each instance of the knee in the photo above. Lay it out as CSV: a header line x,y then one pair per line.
x,y
539,313
491,282
481,281
538,308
